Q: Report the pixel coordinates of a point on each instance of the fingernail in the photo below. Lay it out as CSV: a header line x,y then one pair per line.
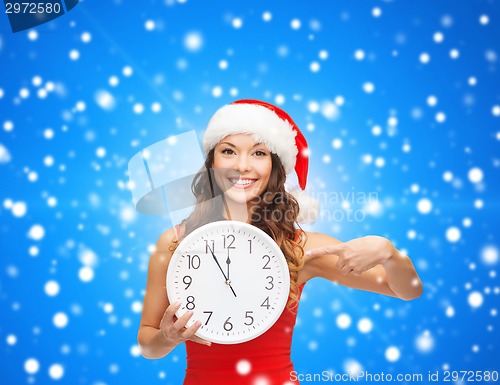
x,y
208,343
189,313
198,323
307,253
178,304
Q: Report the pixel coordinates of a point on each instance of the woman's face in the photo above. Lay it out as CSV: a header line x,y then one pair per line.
x,y
242,167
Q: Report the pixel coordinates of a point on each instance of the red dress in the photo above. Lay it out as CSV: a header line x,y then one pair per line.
x,y
264,360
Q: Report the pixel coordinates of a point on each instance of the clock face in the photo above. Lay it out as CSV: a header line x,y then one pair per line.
x,y
233,276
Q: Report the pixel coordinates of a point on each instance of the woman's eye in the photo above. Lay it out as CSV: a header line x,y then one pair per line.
x,y
228,151
260,153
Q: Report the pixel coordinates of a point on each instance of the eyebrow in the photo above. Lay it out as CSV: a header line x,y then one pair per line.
x,y
232,145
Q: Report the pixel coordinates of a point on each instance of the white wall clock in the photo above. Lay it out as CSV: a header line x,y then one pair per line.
x,y
233,276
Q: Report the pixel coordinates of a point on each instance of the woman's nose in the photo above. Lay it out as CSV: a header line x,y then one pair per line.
x,y
242,164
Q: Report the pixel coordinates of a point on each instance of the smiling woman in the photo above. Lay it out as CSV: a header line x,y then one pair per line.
x,y
242,168
250,147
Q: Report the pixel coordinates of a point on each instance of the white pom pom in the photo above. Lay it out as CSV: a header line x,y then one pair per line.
x,y
309,206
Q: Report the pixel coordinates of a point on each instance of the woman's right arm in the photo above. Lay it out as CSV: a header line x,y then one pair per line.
x,y
160,331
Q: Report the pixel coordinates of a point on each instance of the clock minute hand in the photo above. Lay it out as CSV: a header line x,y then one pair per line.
x,y
218,264
222,271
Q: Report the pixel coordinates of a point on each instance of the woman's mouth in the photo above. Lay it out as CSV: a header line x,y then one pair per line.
x,y
242,183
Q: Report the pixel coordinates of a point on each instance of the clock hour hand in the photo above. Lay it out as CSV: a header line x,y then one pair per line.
x,y
228,261
228,282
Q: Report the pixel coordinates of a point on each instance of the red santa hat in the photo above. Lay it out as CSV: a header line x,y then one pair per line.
x,y
272,126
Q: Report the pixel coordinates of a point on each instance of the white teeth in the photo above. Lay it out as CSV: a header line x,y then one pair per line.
x,y
242,181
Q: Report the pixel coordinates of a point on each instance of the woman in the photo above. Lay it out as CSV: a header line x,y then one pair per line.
x,y
251,146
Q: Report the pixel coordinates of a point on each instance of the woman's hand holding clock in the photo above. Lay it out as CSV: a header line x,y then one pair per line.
x,y
174,329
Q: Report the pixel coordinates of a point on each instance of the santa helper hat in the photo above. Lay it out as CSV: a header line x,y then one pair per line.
x,y
272,126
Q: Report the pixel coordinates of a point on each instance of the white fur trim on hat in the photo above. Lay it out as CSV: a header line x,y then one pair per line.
x,y
265,126
309,207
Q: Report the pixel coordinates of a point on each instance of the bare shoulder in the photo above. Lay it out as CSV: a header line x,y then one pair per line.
x,y
160,258
165,240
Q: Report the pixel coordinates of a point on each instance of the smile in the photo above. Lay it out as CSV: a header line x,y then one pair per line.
x,y
242,183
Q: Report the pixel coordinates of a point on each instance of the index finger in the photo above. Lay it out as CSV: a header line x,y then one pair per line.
x,y
326,250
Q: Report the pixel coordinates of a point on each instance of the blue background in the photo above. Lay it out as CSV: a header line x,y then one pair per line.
x,y
57,100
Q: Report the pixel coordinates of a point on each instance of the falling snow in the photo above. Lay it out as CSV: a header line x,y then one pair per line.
x,y
407,115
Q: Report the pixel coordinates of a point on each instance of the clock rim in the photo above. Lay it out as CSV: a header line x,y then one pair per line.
x,y
279,253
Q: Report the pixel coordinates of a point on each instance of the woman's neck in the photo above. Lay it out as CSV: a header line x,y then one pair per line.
x,y
237,211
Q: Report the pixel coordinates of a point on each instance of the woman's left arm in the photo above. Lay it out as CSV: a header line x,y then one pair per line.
x,y
370,263
401,275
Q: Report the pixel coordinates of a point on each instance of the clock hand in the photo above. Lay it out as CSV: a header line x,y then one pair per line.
x,y
232,289
228,282
228,261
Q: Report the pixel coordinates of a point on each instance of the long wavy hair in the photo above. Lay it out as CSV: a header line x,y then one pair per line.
x,y
275,204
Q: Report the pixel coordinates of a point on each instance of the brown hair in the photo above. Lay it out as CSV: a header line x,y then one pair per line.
x,y
274,202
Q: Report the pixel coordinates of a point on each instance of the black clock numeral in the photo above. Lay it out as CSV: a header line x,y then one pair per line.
x,y
267,263
227,237
190,303
250,246
207,248
210,315
270,282
187,281
194,261
228,326
249,316
266,303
